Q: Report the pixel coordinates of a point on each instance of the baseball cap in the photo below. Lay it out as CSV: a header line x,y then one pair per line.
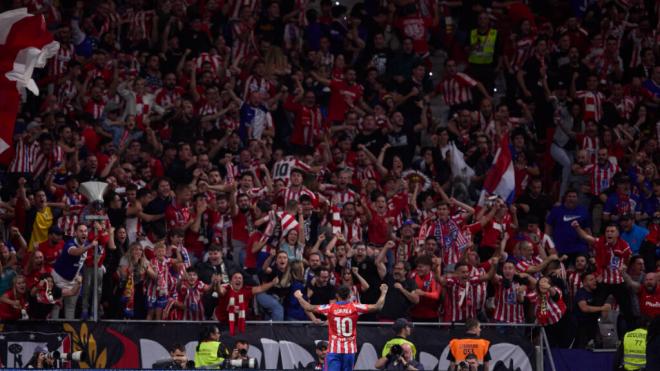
x,y
400,324
321,344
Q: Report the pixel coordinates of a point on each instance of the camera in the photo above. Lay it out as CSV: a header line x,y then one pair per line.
x,y
395,351
241,363
243,352
463,366
75,356
169,364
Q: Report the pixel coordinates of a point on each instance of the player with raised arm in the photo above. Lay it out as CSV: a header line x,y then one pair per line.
x,y
342,325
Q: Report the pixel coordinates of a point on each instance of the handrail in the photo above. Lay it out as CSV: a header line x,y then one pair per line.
x,y
367,323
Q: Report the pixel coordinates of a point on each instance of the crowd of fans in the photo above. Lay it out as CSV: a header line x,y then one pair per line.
x,y
255,148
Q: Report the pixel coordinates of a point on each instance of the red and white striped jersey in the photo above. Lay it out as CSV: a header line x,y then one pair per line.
x,y
287,194
522,51
523,265
58,65
235,9
139,24
574,283
243,47
404,251
611,259
342,325
191,298
593,104
590,145
601,176
216,61
548,311
24,156
507,307
461,301
282,168
456,89
143,105
167,98
48,161
480,290
352,231
95,108
66,94
74,203
625,107
340,197
363,173
163,284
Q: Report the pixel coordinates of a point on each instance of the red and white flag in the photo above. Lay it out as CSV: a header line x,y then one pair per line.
x,y
25,44
500,178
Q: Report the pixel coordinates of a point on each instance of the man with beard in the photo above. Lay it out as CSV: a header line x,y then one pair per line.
x,y
612,255
156,208
574,278
367,269
403,291
320,290
648,294
170,93
586,312
217,266
351,226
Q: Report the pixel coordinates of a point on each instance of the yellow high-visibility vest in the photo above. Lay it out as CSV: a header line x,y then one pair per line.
x,y
207,355
482,47
634,349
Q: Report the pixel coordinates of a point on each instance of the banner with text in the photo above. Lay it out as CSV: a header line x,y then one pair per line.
x,y
274,346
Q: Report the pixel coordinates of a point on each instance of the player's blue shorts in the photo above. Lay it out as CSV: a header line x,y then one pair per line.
x,y
339,362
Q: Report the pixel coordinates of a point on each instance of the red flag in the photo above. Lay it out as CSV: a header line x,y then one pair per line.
x,y
25,44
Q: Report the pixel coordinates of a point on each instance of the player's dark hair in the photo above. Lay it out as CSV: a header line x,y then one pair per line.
x,y
343,293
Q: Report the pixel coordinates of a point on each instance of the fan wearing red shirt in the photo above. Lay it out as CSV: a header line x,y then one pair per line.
x,y
14,300
649,296
380,220
416,27
235,299
429,290
343,95
612,255
342,325
101,233
52,247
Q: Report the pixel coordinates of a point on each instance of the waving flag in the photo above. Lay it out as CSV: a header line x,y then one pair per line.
x,y
500,179
25,44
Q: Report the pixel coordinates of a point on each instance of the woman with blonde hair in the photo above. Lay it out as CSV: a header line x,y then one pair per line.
x,y
132,273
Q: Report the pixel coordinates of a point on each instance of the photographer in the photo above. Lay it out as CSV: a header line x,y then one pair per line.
x,y
239,357
403,328
471,363
178,359
401,358
470,343
41,358
321,353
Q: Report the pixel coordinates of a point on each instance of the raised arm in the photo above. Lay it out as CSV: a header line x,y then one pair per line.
x,y
381,300
582,233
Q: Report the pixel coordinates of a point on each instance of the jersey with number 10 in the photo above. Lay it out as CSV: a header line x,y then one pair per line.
x,y
342,325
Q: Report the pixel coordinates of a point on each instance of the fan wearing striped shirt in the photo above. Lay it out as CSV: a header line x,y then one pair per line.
x,y
342,325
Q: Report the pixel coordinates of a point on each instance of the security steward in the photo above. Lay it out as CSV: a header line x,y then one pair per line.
x,y
632,351
484,52
470,343
403,329
210,351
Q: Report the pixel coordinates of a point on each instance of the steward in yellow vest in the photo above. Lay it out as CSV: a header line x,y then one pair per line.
x,y
634,349
210,351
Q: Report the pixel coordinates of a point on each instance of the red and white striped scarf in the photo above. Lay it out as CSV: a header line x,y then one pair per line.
x,y
236,310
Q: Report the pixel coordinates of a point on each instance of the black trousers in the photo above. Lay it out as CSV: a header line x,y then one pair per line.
x,y
622,296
